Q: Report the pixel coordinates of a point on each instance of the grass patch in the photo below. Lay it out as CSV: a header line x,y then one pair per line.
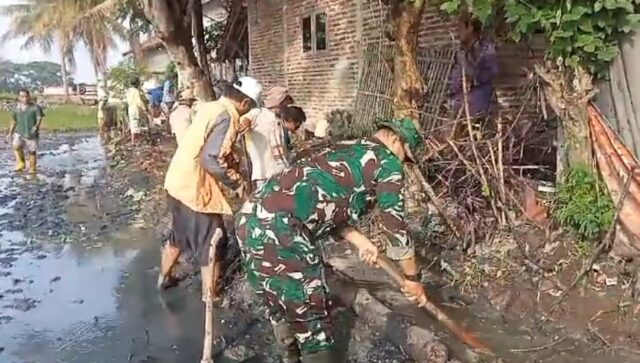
x,y
62,118
583,204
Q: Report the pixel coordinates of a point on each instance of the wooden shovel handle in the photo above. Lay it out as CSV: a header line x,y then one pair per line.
x,y
461,333
207,348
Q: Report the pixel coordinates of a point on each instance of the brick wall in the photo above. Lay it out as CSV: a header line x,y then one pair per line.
x,y
327,79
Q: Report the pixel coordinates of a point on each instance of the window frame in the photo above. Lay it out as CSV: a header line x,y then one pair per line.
x,y
314,32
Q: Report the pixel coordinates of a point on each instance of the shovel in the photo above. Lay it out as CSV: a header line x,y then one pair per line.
x,y
207,349
461,333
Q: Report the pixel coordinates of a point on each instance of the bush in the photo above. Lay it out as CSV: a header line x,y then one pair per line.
x,y
343,127
583,205
119,77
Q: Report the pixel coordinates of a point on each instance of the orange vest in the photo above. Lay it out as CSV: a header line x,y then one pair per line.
x,y
186,180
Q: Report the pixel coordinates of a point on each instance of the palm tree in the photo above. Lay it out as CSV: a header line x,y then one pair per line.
x,y
44,23
35,21
97,31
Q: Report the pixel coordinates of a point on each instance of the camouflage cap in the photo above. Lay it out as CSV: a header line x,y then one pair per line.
x,y
406,129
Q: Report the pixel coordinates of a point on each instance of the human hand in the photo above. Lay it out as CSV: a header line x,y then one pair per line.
x,y
245,125
414,291
368,253
243,190
8,138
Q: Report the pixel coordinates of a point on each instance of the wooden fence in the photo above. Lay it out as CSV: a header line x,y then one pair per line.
x,y
374,98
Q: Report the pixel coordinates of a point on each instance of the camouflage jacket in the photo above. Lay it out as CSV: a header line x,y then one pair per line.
x,y
335,188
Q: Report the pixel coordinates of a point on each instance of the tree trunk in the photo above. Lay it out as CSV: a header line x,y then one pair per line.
x,y
577,137
568,93
134,41
172,21
198,35
65,77
408,82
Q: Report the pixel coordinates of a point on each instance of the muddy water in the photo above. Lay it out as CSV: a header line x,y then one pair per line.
x,y
77,283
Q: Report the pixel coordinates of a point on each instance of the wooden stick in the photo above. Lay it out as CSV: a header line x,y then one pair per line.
x,y
483,177
434,199
207,349
465,336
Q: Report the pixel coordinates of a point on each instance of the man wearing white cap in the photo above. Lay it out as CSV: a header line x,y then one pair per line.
x,y
204,162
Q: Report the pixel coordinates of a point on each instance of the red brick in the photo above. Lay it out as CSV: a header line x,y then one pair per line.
x,y
323,81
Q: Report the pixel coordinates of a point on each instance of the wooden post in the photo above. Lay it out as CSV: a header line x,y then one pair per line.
x,y
207,349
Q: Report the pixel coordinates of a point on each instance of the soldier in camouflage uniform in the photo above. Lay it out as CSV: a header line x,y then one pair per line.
x,y
279,226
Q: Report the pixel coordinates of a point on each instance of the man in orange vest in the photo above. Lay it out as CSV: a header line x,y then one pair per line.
x,y
204,162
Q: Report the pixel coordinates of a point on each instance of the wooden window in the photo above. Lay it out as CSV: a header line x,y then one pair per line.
x,y
321,31
307,34
314,32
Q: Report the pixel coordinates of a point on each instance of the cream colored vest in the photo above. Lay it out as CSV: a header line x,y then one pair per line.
x,y
186,180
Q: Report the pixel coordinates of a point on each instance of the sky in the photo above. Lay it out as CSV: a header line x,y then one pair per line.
x,y
84,70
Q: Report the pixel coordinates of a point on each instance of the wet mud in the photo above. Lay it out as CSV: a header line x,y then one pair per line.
x,y
78,271
79,260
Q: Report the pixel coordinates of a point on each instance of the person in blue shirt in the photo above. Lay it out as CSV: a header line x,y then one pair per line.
x,y
155,100
155,96
169,92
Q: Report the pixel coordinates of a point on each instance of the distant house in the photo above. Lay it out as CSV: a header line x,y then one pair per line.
x,y
154,55
83,93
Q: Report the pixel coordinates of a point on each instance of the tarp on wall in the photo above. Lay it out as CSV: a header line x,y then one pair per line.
x,y
617,164
619,97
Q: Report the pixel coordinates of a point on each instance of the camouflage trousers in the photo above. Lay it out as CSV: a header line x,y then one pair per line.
x,y
284,268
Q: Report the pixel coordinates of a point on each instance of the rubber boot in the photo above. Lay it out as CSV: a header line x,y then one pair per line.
x,y
20,165
33,163
325,356
286,343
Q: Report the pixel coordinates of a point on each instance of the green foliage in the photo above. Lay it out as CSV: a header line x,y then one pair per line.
x,y
119,77
213,35
62,118
579,32
32,75
171,72
131,11
583,205
8,97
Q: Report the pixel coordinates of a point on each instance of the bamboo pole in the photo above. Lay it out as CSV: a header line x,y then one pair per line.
x,y
207,349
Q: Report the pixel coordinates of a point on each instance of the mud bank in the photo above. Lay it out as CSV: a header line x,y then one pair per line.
x,y
515,337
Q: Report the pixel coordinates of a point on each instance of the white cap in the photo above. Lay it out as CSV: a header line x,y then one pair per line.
x,y
150,84
250,87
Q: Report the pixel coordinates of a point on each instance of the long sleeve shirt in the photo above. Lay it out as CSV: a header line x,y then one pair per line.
x,y
480,65
334,189
223,166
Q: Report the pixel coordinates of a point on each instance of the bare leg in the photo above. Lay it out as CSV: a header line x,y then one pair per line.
x,y
170,255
